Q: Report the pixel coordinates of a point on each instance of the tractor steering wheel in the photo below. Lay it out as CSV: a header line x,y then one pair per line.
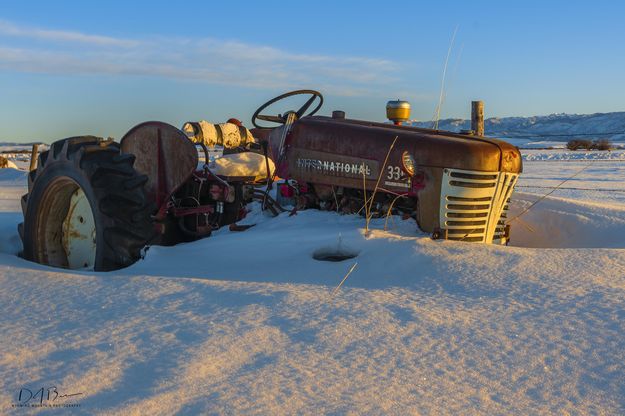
x,y
281,119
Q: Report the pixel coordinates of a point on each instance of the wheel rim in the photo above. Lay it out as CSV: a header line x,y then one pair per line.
x,y
79,233
66,231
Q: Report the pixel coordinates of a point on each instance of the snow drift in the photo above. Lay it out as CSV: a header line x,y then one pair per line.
x,y
250,323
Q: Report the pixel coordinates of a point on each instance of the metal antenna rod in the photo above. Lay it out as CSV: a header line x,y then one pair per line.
x,y
440,98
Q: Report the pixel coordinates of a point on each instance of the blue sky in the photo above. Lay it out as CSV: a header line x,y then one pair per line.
x,y
70,68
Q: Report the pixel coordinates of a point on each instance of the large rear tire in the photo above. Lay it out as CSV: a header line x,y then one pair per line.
x,y
86,207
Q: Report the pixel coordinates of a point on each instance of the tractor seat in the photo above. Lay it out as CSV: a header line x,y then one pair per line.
x,y
243,164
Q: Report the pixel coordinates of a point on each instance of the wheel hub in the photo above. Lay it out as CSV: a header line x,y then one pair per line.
x,y
79,232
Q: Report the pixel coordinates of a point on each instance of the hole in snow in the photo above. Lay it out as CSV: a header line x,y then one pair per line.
x,y
327,254
337,252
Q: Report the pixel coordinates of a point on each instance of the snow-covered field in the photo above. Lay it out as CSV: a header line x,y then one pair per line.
x,y
247,323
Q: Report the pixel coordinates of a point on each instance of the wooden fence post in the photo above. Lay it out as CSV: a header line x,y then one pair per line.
x,y
477,117
33,157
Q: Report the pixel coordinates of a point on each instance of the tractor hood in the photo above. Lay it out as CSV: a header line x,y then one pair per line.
x,y
430,148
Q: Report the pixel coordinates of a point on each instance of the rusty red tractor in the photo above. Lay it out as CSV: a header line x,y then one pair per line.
x,y
96,204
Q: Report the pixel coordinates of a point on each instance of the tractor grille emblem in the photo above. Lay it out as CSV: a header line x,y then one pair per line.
x,y
332,165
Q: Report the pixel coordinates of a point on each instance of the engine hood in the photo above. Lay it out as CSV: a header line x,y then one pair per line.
x,y
431,148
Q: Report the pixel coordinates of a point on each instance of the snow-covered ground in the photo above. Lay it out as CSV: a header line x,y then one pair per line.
x,y
247,323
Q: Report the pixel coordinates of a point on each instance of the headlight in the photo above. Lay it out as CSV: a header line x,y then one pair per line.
x,y
409,164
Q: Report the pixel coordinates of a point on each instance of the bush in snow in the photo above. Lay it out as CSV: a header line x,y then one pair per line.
x,y
602,144
577,144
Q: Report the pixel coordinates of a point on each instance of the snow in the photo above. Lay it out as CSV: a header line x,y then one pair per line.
x,y
562,223
536,144
247,322
242,164
593,180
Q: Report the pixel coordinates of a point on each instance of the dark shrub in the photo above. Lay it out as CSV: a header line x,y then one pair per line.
x,y
602,144
577,144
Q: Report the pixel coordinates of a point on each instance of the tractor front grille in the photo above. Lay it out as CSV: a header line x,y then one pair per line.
x,y
474,205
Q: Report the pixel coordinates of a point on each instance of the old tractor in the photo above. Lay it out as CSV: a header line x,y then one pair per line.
x,y
95,204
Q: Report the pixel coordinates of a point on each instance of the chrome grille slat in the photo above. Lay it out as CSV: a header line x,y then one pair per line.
x,y
452,214
461,199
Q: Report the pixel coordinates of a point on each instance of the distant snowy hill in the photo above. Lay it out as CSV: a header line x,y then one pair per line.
x,y
20,144
20,147
590,126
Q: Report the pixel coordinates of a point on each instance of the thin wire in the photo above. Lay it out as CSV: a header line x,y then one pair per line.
x,y
537,201
549,193
336,289
336,201
378,183
452,76
390,209
572,189
440,98
364,190
571,160
290,119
